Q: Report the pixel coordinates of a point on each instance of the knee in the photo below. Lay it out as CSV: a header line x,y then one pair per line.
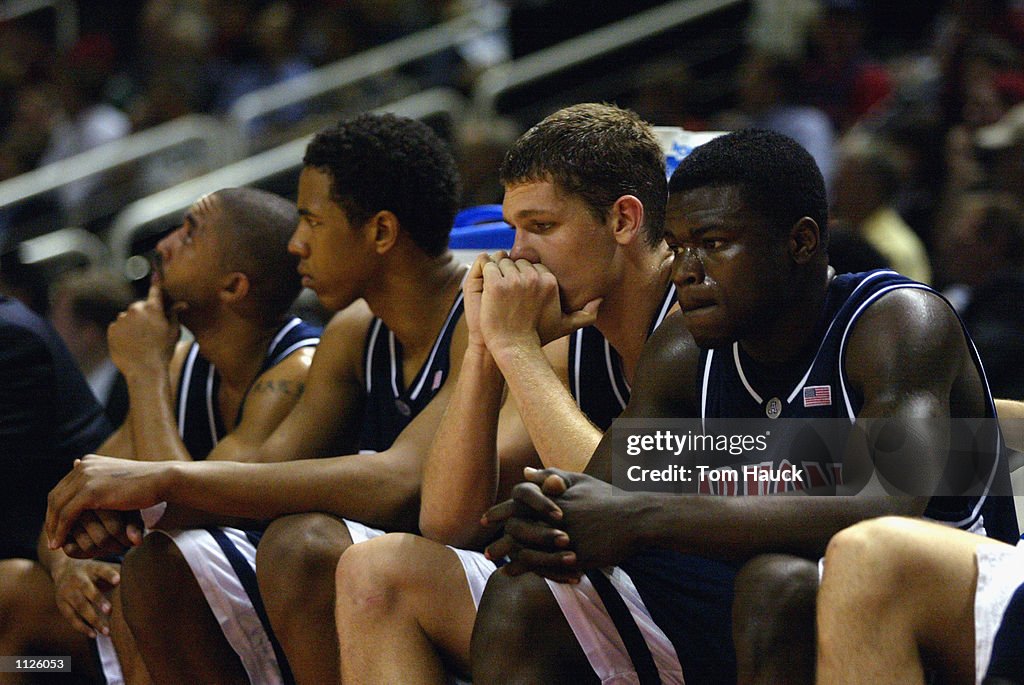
x,y
877,548
19,607
774,602
13,576
775,586
774,620
510,606
369,578
299,554
146,573
875,541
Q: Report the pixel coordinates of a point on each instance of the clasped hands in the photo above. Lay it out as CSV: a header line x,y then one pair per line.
x,y
560,524
509,303
93,510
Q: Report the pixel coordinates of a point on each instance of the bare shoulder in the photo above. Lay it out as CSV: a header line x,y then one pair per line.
x,y
907,315
906,332
342,343
667,373
908,352
349,324
288,377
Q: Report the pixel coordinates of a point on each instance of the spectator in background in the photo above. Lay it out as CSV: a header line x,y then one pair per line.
x,y
769,100
966,33
166,77
87,121
479,148
258,49
915,137
485,50
984,88
849,252
330,31
866,184
982,253
1000,148
780,27
28,105
538,24
839,77
27,132
82,305
24,64
24,282
668,94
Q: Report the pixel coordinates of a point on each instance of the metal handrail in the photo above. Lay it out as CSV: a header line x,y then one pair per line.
x,y
66,241
501,78
65,16
177,198
209,130
170,203
366,64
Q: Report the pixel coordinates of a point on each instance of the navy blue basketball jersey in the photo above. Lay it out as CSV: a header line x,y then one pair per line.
x,y
596,380
199,421
390,406
732,385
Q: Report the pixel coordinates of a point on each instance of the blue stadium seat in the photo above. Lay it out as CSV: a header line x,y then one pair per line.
x,y
481,228
481,214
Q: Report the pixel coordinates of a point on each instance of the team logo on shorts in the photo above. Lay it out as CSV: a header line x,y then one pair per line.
x,y
773,408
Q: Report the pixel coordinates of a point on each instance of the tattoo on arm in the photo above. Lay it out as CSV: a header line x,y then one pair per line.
x,y
282,387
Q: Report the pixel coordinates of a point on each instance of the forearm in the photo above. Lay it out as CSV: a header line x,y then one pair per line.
x,y
742,527
376,489
153,423
562,435
460,474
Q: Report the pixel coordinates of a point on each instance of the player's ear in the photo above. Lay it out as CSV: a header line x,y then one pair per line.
x,y
627,216
383,229
234,287
804,240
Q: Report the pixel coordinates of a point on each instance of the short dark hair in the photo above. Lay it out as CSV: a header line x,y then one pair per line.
x,y
776,176
254,240
878,165
94,295
599,153
385,162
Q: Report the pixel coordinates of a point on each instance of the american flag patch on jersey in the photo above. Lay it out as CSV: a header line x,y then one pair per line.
x,y
818,396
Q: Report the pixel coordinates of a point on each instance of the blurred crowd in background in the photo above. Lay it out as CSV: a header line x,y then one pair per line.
x,y
913,110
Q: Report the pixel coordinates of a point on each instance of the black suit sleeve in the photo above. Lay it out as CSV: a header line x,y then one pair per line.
x,y
48,418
